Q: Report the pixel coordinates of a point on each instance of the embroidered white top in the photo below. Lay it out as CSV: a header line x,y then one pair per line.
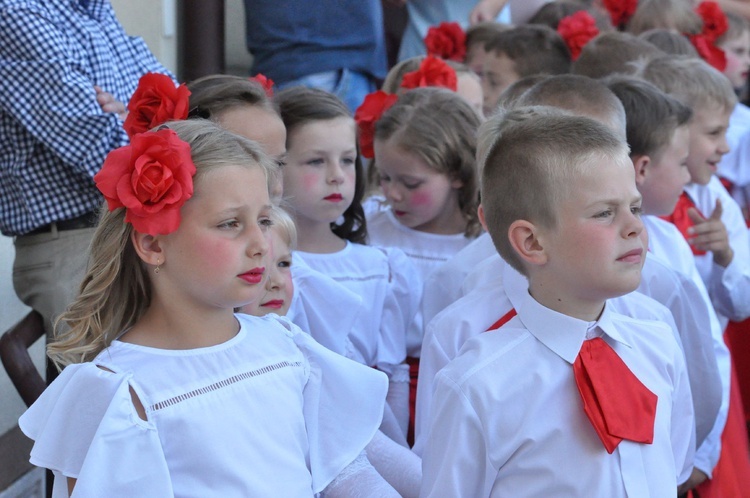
x,y
514,387
259,415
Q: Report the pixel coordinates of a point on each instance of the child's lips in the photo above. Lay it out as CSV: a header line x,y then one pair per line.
x,y
399,213
633,256
274,303
254,276
334,198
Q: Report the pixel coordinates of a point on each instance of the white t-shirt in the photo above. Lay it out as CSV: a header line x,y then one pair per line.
x,y
267,413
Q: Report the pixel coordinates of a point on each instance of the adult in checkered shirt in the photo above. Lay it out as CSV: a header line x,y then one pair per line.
x,y
54,134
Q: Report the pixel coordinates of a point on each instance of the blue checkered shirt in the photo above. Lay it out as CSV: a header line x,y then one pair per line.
x,y
53,134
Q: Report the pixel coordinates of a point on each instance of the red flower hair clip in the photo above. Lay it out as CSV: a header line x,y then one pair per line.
x,y
715,21
447,41
266,83
432,72
715,24
155,101
577,30
151,178
367,114
620,11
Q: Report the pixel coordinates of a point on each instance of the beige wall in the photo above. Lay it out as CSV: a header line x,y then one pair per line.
x,y
156,22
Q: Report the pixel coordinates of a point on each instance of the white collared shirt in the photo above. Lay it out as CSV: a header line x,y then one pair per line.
x,y
508,419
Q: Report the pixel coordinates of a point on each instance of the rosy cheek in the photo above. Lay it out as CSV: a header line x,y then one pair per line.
x,y
421,199
310,181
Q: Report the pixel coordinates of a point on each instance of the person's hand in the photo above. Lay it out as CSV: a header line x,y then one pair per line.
x,y
710,234
486,10
695,479
109,103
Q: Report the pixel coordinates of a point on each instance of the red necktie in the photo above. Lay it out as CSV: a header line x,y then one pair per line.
x,y
681,220
618,405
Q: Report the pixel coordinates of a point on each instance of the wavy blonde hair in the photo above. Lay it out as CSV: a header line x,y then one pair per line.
x,y
116,290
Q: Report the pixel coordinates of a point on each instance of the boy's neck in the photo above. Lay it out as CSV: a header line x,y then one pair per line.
x,y
563,302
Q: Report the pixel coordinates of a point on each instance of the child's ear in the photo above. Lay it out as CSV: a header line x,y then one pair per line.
x,y
525,239
148,248
641,164
480,215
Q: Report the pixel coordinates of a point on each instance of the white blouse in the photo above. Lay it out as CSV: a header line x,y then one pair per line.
x,y
267,413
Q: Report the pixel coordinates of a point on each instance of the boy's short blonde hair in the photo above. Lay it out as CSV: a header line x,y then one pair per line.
x,y
669,42
736,26
580,95
691,80
482,32
533,48
531,158
610,53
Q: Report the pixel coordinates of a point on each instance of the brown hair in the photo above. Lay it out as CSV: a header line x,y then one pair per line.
x,y
440,127
677,15
533,48
652,115
610,53
212,94
669,41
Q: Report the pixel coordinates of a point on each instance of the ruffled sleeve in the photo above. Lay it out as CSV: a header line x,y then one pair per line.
x,y
343,406
85,426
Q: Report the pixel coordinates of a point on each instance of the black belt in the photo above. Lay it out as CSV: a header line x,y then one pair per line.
x,y
86,220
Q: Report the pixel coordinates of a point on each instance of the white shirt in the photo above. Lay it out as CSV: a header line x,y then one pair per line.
x,y
258,415
694,315
426,250
390,290
508,419
728,287
735,165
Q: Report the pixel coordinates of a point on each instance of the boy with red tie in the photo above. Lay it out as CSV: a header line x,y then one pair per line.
x,y
566,396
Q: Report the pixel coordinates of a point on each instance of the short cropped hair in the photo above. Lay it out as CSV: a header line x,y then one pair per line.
x,y
652,115
691,80
533,48
610,53
677,15
551,13
483,32
510,95
211,95
580,95
669,42
532,159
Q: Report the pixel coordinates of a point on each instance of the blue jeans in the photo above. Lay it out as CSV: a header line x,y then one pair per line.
x,y
349,86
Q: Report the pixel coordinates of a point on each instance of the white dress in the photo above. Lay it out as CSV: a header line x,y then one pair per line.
x,y
267,413
389,286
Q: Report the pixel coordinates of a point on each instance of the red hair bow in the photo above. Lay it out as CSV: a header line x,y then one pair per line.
x,y
577,30
715,24
447,41
266,83
156,100
367,114
432,72
620,11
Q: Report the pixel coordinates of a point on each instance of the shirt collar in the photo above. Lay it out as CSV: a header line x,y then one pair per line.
x,y
567,334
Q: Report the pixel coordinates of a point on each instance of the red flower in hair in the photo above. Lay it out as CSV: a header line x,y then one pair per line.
x,y
447,41
577,30
715,21
620,11
709,52
432,72
155,101
266,83
367,114
151,178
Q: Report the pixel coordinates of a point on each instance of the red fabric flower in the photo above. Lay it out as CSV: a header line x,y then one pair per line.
x,y
155,101
432,72
266,83
577,30
151,178
620,11
715,21
447,41
367,114
709,52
